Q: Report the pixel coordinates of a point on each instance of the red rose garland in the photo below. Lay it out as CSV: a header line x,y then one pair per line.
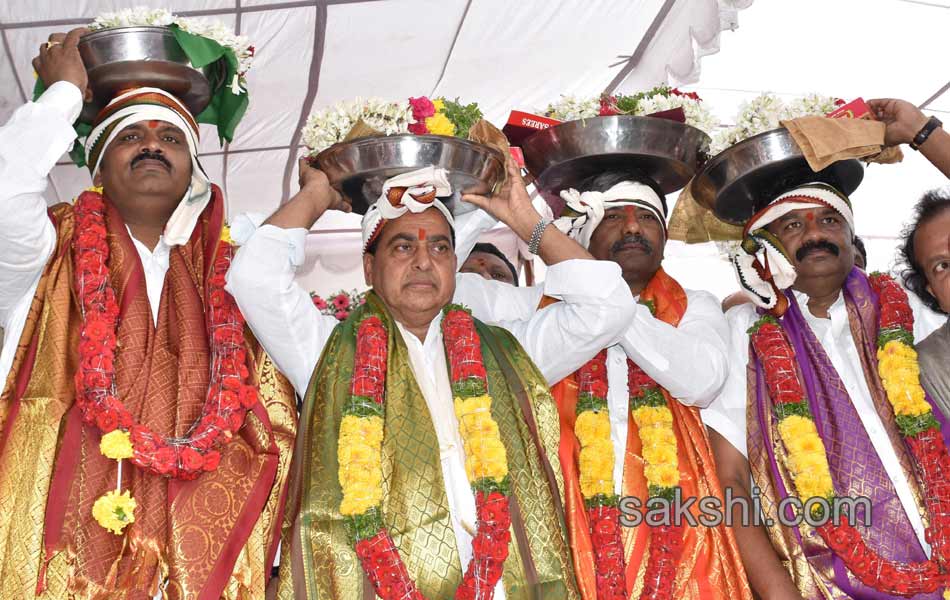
x,y
374,546
927,447
229,394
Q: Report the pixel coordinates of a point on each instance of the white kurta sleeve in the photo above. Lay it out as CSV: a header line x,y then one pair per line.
x,y
727,413
595,309
690,360
469,227
279,312
31,142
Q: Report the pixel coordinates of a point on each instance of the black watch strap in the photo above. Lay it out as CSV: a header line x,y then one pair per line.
x,y
924,133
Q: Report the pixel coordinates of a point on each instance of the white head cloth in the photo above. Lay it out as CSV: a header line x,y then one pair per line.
x,y
760,250
417,183
153,104
592,205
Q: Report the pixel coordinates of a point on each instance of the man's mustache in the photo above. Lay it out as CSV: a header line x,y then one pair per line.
x,y
146,154
811,247
632,239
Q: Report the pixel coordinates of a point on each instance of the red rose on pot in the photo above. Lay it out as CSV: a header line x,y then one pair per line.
x,y
422,108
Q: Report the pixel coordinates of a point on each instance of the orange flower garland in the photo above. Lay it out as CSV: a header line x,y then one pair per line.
x,y
229,397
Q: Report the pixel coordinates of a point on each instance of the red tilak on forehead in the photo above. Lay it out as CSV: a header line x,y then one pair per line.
x,y
810,215
630,211
422,235
153,124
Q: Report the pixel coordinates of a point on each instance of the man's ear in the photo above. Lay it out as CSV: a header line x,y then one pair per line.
x,y
368,268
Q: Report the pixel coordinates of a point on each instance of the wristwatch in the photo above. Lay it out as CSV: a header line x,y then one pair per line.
x,y
924,133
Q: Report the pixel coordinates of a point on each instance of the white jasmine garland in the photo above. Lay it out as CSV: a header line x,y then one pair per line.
x,y
764,112
696,113
330,125
572,108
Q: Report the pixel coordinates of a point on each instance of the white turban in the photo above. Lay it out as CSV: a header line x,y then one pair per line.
x,y
153,104
417,183
587,208
762,251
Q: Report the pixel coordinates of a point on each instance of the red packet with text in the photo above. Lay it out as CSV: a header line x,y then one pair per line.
x,y
856,109
520,125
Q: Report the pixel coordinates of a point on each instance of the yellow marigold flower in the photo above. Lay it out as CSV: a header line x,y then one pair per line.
x,y
662,475
900,374
592,426
94,188
439,124
657,436
647,416
805,444
810,485
116,445
360,499
369,430
485,454
472,406
439,104
226,234
359,450
591,487
487,459
808,463
794,426
596,468
660,455
114,510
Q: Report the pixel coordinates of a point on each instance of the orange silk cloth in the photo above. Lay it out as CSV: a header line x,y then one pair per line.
x,y
209,538
710,566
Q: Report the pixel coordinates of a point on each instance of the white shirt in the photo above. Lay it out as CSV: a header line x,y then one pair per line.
x,y
32,141
727,414
689,361
427,360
